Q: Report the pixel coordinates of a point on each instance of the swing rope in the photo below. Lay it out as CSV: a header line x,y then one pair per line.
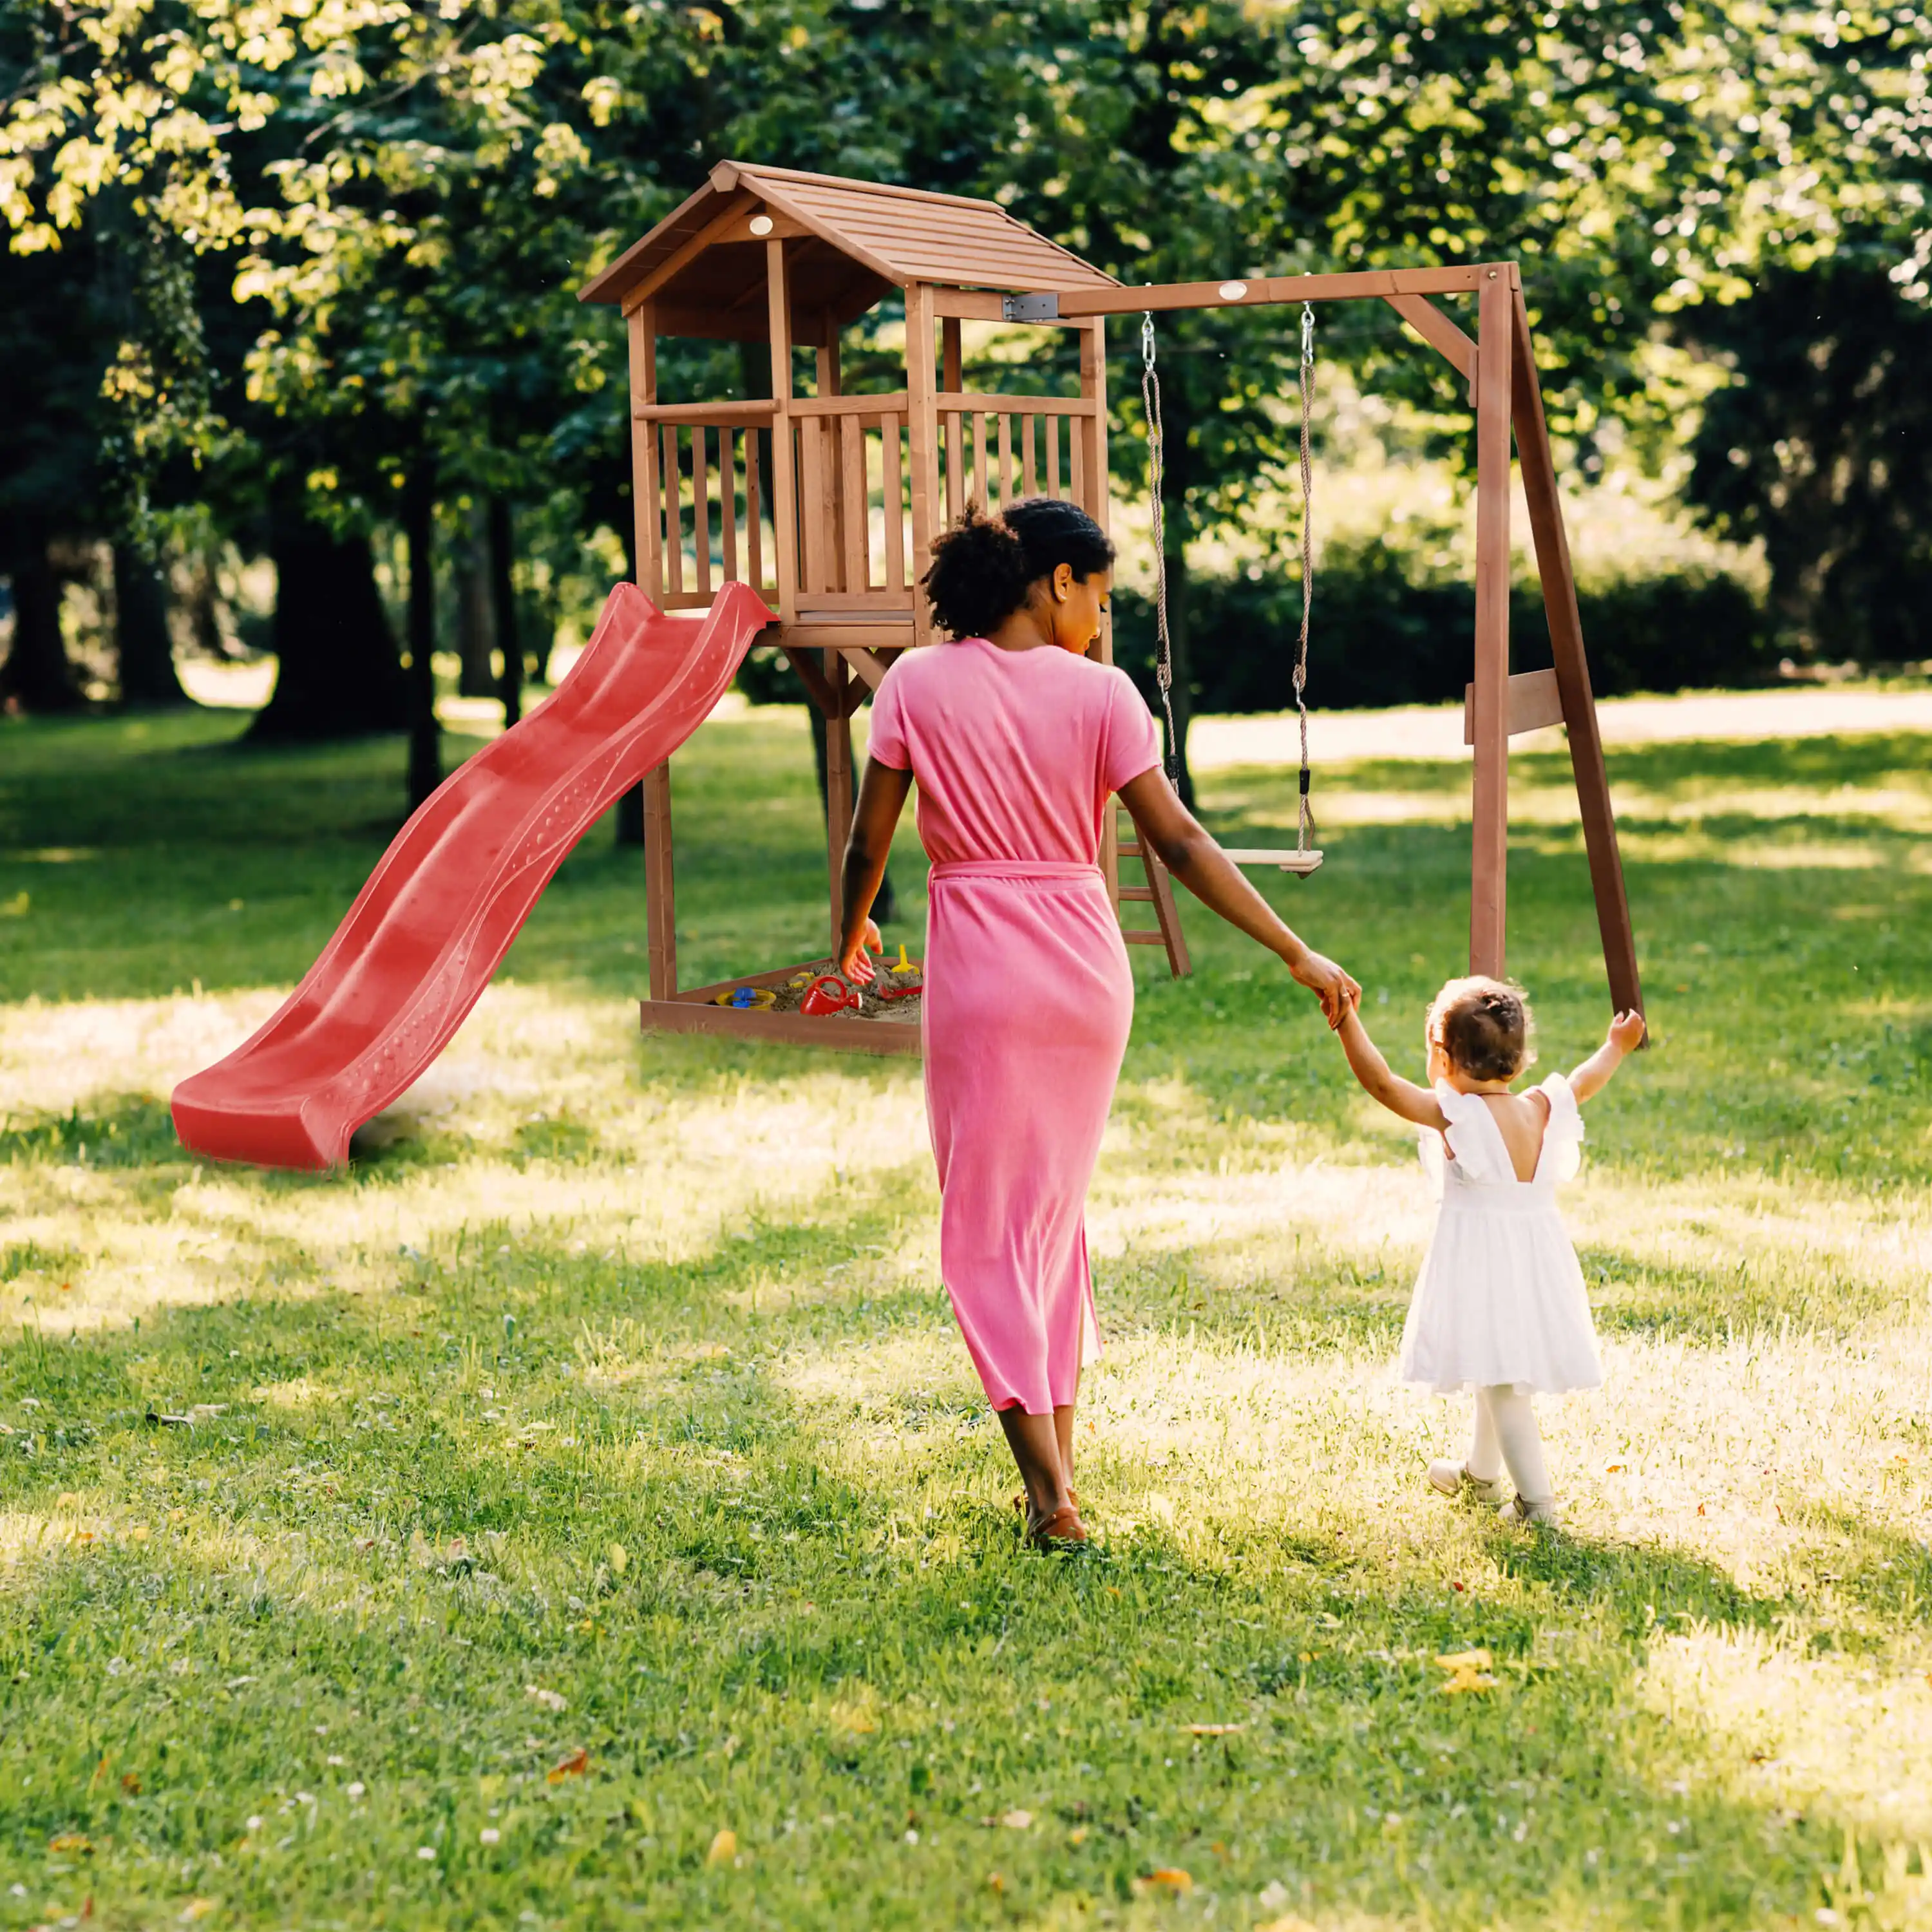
x,y
1163,655
1305,824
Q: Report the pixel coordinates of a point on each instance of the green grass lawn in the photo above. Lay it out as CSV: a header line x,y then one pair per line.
x,y
582,1513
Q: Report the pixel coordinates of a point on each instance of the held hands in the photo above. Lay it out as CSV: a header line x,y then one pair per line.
x,y
1337,990
1626,1033
855,966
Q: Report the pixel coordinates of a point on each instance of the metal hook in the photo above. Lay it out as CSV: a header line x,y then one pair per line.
x,y
1146,339
1307,335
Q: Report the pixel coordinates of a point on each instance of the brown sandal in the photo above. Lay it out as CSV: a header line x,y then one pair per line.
x,y
1020,1501
1062,1529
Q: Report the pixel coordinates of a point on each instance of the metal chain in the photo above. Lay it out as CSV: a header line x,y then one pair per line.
x,y
1163,655
1306,819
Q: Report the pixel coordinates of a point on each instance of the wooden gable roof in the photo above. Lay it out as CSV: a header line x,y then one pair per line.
x,y
847,243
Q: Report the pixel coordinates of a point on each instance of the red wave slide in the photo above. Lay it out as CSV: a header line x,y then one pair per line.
x,y
425,934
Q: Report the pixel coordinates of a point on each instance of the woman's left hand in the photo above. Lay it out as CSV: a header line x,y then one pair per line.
x,y
855,966
1337,990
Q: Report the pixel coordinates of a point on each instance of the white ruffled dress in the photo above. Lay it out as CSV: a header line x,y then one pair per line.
x,y
1501,1297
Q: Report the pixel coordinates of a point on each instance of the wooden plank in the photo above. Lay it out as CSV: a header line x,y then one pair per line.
x,y
813,575
811,601
982,467
1573,673
647,509
838,633
647,285
1016,406
1354,285
955,465
870,667
1076,460
869,403
1051,425
1535,700
799,657
922,443
754,535
760,409
837,788
892,485
1093,389
854,509
890,1038
1489,876
1437,331
700,508
660,887
785,490
1007,459
1029,466
727,497
673,516
951,360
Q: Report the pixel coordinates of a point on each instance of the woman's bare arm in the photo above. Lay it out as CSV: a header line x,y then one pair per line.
x,y
1189,851
882,797
1400,1096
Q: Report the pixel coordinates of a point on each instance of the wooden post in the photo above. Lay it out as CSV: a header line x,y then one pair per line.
x,y
923,440
1573,673
953,380
831,505
644,504
1490,856
1090,437
660,897
837,788
784,492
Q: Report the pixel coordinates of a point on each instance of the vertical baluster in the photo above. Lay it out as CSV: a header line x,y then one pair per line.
x,y
1006,460
727,495
754,535
1052,426
700,508
1076,440
814,511
1029,473
852,494
955,463
893,487
673,515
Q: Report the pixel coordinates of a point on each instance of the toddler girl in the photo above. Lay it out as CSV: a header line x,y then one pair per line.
x,y
1499,1306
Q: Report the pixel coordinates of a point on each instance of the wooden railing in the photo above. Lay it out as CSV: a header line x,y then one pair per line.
x,y
704,472
711,520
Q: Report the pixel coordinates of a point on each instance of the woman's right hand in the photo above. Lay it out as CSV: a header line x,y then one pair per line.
x,y
1337,990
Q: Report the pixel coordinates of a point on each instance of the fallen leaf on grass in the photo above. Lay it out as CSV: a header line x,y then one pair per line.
x,y
1214,1730
70,1841
618,1558
130,1784
1017,1821
574,1765
723,1848
1078,1836
196,1908
1168,1878
551,1700
994,1883
1288,1922
1468,1670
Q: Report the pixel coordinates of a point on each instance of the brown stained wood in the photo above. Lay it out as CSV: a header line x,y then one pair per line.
x,y
1029,466
1051,425
854,508
754,535
982,467
700,508
811,601
784,491
1094,388
885,1038
1006,460
869,666
955,465
866,404
814,512
642,289
892,485
1076,304
727,498
837,786
1437,330
674,513
799,657
660,888
1489,877
1018,405
759,410
646,508
839,632
951,363
922,444
1535,700
1076,464
1573,673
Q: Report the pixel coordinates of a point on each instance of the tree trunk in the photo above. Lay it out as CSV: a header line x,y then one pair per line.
x,y
476,630
146,649
425,741
36,675
503,605
338,672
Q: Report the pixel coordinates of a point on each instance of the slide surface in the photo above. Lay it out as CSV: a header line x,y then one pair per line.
x,y
417,948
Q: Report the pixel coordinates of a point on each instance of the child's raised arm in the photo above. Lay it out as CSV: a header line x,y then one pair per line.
x,y
1626,1034
1400,1096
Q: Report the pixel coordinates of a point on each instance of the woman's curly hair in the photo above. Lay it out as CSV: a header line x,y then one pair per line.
x,y
984,568
1484,1026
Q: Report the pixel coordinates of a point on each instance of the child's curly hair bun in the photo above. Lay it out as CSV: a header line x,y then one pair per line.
x,y
1484,1026
984,568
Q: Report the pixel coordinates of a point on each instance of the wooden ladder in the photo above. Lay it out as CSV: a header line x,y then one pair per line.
x,y
1159,893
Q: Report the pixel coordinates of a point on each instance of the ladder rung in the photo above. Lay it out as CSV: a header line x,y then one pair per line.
x,y
1138,892
1130,848
1145,938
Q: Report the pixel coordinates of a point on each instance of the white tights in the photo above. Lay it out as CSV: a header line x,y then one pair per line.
x,y
1507,1434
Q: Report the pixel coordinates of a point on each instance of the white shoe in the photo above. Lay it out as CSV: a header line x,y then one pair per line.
x,y
1537,1516
1452,1479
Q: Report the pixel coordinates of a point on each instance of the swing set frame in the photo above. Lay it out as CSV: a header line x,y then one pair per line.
x,y
1499,365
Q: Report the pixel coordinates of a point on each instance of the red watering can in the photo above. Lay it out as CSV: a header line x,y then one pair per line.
x,y
826,995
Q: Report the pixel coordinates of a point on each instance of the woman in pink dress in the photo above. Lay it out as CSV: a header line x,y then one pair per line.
x,y
1017,740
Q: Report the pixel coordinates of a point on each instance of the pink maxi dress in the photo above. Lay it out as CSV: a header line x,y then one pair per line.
x,y
1028,994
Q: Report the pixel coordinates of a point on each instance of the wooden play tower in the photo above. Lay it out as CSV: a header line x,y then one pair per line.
x,y
826,503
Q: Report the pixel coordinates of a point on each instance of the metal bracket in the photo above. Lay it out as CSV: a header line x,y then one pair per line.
x,y
1030,308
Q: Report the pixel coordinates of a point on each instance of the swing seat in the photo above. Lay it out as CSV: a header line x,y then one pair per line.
x,y
1301,862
